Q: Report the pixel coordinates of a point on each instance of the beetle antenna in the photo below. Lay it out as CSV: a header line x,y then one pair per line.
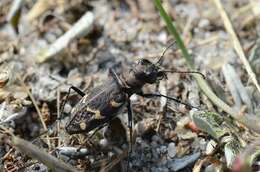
x,y
172,71
161,57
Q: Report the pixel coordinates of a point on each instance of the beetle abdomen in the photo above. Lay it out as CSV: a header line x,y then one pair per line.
x,y
93,111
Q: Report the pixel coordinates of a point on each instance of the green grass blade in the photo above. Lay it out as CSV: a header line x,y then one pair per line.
x,y
173,31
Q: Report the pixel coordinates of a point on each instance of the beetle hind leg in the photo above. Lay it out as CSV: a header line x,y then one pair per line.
x,y
130,118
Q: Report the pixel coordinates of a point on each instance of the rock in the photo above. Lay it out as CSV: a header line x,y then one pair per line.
x,y
187,135
180,163
203,23
163,149
103,143
155,138
155,155
154,144
37,167
73,152
210,147
171,150
159,169
213,168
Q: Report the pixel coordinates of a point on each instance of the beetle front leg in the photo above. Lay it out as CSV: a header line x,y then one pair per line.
x,y
152,95
77,90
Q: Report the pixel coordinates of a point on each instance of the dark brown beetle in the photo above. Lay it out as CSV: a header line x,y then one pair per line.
x,y
103,103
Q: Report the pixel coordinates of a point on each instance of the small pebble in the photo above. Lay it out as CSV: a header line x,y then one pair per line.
x,y
203,23
50,37
37,167
156,138
155,155
144,145
111,154
179,163
103,143
202,144
154,144
163,162
210,147
163,149
4,77
163,37
171,150
188,135
213,168
64,157
148,157
67,108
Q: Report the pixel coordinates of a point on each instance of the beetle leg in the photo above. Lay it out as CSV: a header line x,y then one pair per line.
x,y
130,116
97,129
77,90
152,95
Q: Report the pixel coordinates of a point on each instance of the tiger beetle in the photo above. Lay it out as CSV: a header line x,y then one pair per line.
x,y
103,103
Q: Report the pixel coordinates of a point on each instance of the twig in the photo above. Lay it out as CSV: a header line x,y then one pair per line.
x,y
7,154
36,107
212,39
236,44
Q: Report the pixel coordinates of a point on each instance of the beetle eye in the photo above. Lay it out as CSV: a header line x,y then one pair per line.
x,y
161,75
144,62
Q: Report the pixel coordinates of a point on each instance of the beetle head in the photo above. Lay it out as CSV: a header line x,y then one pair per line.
x,y
148,72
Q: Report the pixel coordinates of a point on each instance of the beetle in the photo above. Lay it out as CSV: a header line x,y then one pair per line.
x,y
103,103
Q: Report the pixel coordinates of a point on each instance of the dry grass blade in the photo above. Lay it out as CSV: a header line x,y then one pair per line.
x,y
37,108
255,5
34,152
39,8
81,28
236,87
236,44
